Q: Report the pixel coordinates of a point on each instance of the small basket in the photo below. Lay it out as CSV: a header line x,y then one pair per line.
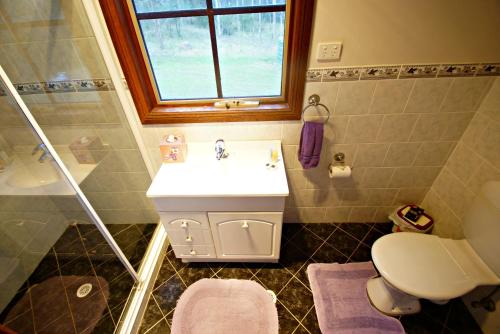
x,y
423,225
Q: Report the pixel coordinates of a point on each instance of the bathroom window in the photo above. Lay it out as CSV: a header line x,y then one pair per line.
x,y
182,56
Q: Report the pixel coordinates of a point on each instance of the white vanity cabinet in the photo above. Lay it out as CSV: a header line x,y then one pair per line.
x,y
250,234
223,211
224,236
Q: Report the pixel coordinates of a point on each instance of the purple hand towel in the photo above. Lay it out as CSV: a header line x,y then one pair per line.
x,y
311,140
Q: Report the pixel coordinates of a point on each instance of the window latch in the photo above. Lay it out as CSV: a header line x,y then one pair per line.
x,y
228,104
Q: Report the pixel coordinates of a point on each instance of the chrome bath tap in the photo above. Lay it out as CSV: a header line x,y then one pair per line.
x,y
45,153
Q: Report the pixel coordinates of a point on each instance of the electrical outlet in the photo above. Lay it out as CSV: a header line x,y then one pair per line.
x,y
329,51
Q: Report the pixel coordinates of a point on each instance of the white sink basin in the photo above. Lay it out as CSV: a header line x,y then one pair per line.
x,y
26,176
30,173
243,173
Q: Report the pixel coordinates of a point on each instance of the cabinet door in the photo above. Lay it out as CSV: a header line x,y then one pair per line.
x,y
246,235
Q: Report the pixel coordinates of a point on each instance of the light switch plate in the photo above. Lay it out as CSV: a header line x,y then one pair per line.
x,y
329,51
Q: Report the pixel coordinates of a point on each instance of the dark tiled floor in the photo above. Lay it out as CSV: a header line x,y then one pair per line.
x,y
301,245
83,251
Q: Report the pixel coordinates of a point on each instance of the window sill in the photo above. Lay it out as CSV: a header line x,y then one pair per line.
x,y
210,114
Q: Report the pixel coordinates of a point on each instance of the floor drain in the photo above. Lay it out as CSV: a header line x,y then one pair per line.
x,y
83,290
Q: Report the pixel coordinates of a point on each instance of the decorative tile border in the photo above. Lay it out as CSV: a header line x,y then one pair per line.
x,y
69,86
457,70
419,71
380,72
403,71
341,73
314,75
488,69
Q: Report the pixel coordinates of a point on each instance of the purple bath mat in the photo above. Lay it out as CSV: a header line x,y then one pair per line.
x,y
341,302
219,306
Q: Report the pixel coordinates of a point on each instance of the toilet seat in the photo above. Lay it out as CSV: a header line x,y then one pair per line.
x,y
430,267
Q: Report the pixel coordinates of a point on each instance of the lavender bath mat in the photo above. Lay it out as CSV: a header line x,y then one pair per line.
x,y
212,306
341,302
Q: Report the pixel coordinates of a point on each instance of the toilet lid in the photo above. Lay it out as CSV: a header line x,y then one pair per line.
x,y
421,265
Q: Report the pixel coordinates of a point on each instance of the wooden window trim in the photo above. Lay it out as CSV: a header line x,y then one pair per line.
x,y
151,111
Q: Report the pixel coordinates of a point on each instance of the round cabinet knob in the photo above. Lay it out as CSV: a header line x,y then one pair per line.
x,y
184,225
192,252
189,238
244,225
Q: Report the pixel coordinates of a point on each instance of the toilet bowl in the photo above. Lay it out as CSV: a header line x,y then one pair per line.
x,y
414,266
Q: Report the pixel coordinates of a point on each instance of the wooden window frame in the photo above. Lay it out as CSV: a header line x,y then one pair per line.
x,y
152,111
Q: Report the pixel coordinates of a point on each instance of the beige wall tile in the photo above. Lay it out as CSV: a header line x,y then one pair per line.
x,y
338,214
457,123
446,224
476,127
312,215
453,192
382,214
370,155
290,155
15,62
433,153
405,177
390,96
317,197
90,57
377,177
327,92
465,94
401,154
486,172
463,162
362,214
429,127
291,133
427,95
363,129
381,196
296,179
354,97
335,129
354,197
396,128
488,144
410,195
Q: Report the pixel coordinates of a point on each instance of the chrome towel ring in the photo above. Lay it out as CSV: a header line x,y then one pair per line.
x,y
313,101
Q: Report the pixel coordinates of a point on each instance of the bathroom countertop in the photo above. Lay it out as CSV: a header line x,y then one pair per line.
x,y
242,174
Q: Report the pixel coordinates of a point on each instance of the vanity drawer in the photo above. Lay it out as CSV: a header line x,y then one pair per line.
x,y
195,251
184,220
190,237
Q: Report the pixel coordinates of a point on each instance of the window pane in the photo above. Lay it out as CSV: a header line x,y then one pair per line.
x,y
146,6
250,53
180,53
245,3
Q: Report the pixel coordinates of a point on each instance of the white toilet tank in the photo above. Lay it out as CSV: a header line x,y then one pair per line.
x,y
482,225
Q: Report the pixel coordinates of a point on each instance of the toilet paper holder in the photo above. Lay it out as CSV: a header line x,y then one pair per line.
x,y
338,159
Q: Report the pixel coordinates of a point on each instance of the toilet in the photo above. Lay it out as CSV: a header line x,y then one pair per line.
x,y
414,266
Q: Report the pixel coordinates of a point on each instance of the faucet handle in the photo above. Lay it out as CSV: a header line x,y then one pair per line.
x,y
37,148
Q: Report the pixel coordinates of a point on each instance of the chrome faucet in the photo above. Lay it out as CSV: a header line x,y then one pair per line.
x,y
220,149
45,152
